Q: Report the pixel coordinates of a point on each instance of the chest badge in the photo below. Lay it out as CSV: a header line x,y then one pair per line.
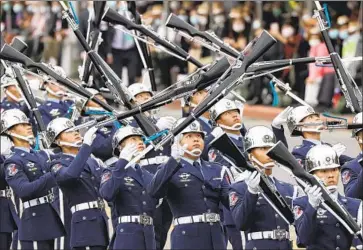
x,y
184,177
321,213
54,112
129,181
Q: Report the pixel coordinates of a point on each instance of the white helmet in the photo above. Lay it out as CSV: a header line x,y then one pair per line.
x,y
138,88
194,127
358,119
56,127
60,71
258,137
297,115
12,117
225,105
7,81
321,157
121,134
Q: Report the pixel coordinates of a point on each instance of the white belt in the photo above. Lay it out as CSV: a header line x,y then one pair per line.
x,y
154,160
37,201
86,205
278,234
5,193
201,218
140,219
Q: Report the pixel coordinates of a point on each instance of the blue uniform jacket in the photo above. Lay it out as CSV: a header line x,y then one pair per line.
x,y
252,213
190,192
352,178
102,145
318,228
51,110
27,173
126,189
79,179
9,219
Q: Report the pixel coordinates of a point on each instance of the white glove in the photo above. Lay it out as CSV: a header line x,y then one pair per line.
x,y
177,151
6,145
89,136
242,176
339,148
217,132
165,122
253,181
281,118
128,152
314,195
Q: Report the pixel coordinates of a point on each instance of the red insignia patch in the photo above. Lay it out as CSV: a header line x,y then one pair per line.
x,y
233,198
105,177
12,170
212,155
298,212
56,168
346,177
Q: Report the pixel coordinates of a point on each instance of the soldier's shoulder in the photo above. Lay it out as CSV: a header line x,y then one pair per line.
x,y
239,187
301,201
213,165
351,201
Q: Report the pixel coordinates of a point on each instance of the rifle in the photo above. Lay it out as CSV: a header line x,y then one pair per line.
x,y
108,76
349,88
282,155
268,190
142,48
114,17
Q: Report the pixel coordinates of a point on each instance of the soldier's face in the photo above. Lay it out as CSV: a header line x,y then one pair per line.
x,y
329,176
229,118
193,140
312,119
14,90
23,129
135,139
55,87
142,97
199,96
260,154
92,104
70,137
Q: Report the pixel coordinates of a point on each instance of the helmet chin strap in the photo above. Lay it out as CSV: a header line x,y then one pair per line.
x,y
76,144
195,152
235,127
332,188
12,96
59,93
268,165
29,139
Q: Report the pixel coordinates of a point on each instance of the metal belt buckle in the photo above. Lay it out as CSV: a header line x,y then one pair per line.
x,y
280,234
8,193
101,204
50,197
145,220
211,217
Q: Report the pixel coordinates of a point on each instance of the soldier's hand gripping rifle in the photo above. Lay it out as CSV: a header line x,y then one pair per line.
x,y
260,46
10,54
282,155
95,39
107,75
268,190
349,88
114,17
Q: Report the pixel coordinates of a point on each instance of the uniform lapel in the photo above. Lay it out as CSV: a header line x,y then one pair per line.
x,y
132,172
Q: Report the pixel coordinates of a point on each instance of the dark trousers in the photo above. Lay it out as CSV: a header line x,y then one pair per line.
x,y
5,240
43,245
125,58
234,236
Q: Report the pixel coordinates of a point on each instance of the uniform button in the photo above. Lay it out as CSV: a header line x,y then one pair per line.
x,y
34,214
255,248
208,210
203,187
144,202
144,213
183,232
276,216
81,176
278,227
143,192
129,188
96,188
338,237
205,199
211,223
338,248
337,225
257,203
321,222
22,154
185,185
121,230
84,218
92,178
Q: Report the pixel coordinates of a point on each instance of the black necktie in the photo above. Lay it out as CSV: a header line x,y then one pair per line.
x,y
198,167
138,170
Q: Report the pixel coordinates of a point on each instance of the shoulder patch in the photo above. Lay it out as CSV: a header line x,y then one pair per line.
x,y
298,212
346,177
12,169
212,155
233,198
105,177
56,167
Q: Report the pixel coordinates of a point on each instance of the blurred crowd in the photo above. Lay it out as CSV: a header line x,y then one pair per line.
x,y
290,22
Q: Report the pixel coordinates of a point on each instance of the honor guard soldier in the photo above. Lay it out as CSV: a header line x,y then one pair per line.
x,y
311,134
264,227
316,227
78,175
13,97
9,218
125,186
352,174
193,188
54,106
27,173
227,116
